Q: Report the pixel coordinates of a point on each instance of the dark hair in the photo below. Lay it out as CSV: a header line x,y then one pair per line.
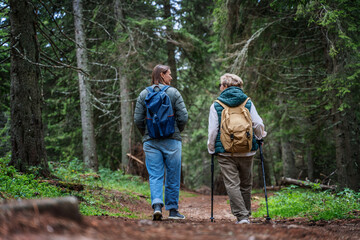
x,y
156,76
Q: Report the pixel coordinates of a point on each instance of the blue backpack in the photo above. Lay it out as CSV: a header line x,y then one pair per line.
x,y
160,118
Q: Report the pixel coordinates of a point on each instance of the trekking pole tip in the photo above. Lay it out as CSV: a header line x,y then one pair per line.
x,y
268,220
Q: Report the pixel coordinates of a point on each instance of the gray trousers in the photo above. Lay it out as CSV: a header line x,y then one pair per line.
x,y
237,176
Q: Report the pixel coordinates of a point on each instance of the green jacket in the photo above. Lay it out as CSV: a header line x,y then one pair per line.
x,y
232,97
178,105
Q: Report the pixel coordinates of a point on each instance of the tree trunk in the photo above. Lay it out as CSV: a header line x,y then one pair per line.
x,y
126,116
288,159
310,163
27,134
233,24
88,133
346,166
125,121
170,46
355,147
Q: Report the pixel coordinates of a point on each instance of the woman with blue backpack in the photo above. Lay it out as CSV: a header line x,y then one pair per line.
x,y
160,115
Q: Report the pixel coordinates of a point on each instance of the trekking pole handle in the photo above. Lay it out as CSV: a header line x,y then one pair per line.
x,y
260,142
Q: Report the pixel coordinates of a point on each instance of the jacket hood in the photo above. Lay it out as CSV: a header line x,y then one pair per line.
x,y
232,96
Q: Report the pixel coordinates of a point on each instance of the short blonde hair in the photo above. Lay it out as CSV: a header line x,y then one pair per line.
x,y
230,80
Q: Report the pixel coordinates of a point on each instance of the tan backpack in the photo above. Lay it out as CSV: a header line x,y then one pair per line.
x,y
236,131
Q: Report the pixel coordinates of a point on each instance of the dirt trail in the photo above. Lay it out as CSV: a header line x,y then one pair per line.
x,y
197,225
199,208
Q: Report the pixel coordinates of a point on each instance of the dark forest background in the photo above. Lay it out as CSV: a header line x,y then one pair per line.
x,y
71,71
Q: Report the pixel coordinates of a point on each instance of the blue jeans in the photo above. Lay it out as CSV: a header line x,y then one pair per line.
x,y
164,155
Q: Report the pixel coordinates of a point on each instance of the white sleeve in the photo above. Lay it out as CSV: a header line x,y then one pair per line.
x,y
258,125
212,129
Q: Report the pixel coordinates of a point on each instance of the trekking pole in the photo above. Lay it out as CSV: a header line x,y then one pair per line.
x,y
212,187
263,170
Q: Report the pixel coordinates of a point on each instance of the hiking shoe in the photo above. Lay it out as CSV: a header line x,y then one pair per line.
x,y
174,214
244,221
157,215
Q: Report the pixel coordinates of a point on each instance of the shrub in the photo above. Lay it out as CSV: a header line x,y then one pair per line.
x,y
315,205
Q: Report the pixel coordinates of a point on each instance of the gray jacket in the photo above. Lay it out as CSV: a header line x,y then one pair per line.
x,y
178,105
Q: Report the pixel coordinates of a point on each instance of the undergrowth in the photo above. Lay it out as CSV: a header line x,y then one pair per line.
x,y
311,203
94,195
104,192
14,185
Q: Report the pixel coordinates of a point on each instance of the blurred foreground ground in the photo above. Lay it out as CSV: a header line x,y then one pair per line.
x,y
197,225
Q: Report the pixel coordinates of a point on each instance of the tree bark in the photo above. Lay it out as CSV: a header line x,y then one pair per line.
x,y
310,163
233,24
126,116
346,166
125,121
27,133
288,159
88,133
170,46
354,131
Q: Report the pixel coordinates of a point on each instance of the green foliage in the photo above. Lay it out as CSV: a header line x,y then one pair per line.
x,y
340,19
315,205
75,172
123,182
194,146
16,185
220,14
5,145
100,203
97,196
301,68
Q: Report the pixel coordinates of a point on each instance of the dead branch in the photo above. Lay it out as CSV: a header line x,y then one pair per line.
x,y
134,158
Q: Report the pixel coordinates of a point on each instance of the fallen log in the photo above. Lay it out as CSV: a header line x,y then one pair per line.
x,y
273,188
307,184
69,185
66,207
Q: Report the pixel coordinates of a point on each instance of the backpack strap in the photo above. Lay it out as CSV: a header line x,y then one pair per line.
x,y
225,106
221,104
151,89
164,88
244,103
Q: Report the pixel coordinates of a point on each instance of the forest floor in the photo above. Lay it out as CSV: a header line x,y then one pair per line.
x,y
197,225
